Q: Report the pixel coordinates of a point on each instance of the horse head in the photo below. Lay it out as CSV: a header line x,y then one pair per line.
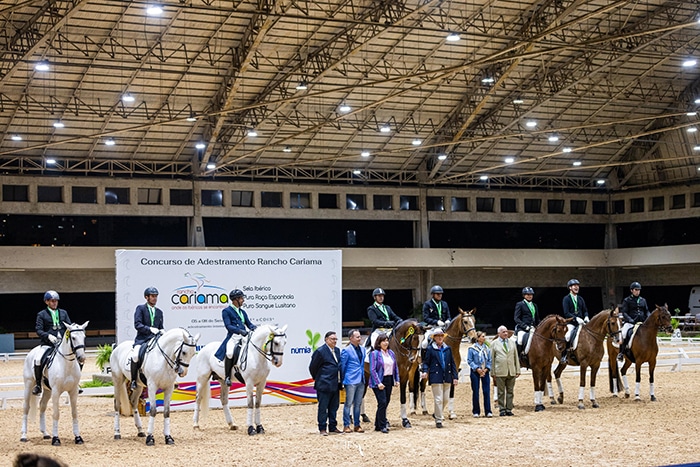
x,y
615,325
663,318
178,347
553,328
275,343
468,324
75,338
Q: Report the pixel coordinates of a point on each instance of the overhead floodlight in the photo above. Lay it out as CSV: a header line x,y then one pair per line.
x,y
692,129
110,142
128,98
357,172
696,148
531,124
697,101
154,10
576,163
385,129
58,124
600,181
691,114
483,178
417,142
200,145
50,161
287,149
302,86
442,157
488,80
16,138
567,149
509,160
211,166
252,133
518,101
453,37
553,138
345,108
192,117
42,66
365,154
689,63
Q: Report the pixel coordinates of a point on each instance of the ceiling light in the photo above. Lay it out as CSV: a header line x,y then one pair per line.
x,y
345,108
567,149
42,66
416,142
553,138
442,157
58,124
697,101
154,10
128,98
691,114
689,63
252,133
200,145
696,148
211,166
385,129
518,101
692,129
192,117
453,37
50,161
484,178
576,163
509,160
365,154
302,86
487,80
287,149
600,181
531,124
16,138
357,172
110,142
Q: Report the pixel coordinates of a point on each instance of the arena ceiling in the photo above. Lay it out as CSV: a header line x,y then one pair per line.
x,y
610,89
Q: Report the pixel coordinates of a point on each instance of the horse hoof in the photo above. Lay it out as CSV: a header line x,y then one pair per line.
x,y
260,430
55,441
405,423
23,440
169,440
560,399
627,396
365,419
47,437
117,436
150,441
594,404
581,406
637,399
553,402
141,434
79,440
539,407
251,430
653,398
453,415
233,427
425,412
614,395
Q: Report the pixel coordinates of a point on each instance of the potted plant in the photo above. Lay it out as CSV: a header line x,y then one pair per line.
x,y
104,352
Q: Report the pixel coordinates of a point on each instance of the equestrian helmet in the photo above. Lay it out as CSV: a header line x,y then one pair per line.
x,y
236,293
378,291
528,291
51,295
439,331
150,291
635,285
436,289
572,282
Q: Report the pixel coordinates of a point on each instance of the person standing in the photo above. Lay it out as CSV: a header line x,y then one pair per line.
x,y
325,370
382,316
237,326
573,306
479,360
436,313
148,321
526,315
506,368
50,326
440,369
352,369
383,375
634,310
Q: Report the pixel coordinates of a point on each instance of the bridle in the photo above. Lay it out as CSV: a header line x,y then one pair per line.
x,y
270,354
465,330
401,348
559,342
73,348
177,363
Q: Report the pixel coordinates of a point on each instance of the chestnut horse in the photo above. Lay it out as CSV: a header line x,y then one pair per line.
x,y
547,341
644,348
590,351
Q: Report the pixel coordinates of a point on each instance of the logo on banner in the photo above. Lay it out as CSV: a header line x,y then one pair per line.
x,y
200,293
314,339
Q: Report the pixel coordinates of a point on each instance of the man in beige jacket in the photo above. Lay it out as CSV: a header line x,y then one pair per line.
x,y
506,367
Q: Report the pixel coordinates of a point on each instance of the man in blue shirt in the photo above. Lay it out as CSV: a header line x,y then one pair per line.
x,y
352,370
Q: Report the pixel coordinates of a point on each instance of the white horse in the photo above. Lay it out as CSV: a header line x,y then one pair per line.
x,y
265,344
167,357
63,375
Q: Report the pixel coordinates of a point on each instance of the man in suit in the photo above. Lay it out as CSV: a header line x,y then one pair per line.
x,y
506,367
237,326
527,316
148,321
352,369
50,326
573,307
325,370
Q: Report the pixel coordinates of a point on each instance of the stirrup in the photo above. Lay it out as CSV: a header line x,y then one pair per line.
x,y
134,384
620,357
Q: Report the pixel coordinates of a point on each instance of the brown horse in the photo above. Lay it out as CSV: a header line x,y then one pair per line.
x,y
405,342
589,352
462,325
547,341
644,348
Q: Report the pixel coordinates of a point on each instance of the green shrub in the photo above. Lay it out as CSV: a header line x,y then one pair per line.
x,y
104,352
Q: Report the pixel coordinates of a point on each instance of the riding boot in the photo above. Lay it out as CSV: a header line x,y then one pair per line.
x,y
38,375
621,355
228,366
134,375
562,360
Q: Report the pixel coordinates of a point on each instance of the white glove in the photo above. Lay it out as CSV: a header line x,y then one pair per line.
x,y
580,321
527,328
53,338
440,323
155,331
585,320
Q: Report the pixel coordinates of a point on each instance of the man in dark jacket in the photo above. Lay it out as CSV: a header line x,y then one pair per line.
x,y
325,370
634,310
50,326
382,316
574,307
237,326
440,369
526,315
436,313
148,321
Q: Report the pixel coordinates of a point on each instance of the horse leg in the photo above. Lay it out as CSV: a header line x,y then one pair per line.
x,y
423,405
167,397
259,391
548,380
363,415
43,403
55,403
150,441
73,397
223,397
652,366
451,403
557,375
249,412
134,406
637,380
613,376
538,380
582,386
594,373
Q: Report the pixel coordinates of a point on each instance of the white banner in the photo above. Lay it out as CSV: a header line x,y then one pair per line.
x,y
299,288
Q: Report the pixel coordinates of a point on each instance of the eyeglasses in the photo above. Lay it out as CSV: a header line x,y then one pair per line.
x,y
333,338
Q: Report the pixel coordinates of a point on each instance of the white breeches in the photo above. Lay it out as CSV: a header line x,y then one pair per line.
x,y
135,353
37,359
231,344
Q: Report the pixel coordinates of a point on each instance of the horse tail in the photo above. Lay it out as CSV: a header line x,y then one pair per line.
x,y
33,408
203,397
613,374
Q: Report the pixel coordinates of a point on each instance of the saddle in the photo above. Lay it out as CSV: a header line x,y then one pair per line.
x,y
631,332
145,347
45,362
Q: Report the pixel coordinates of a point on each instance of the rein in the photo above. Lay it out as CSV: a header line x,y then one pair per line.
x,y
270,354
553,338
177,362
400,347
464,330
72,347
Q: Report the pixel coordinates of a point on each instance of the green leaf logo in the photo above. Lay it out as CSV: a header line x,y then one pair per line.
x,y
314,339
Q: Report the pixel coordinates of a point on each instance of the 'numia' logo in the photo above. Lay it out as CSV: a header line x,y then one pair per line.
x,y
314,339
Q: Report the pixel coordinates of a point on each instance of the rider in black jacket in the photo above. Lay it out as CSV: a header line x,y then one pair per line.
x,y
634,310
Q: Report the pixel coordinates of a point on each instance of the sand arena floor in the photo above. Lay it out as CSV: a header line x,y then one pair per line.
x,y
620,432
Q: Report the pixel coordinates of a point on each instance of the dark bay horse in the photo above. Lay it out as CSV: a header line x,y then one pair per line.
x,y
405,342
462,325
547,341
644,348
590,351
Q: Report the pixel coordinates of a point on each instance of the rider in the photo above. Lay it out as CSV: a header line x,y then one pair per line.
x,y
526,315
382,316
236,321
148,321
50,326
436,312
573,307
634,310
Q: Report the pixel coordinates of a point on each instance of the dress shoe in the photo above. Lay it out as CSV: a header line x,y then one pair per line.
x,y
502,413
335,431
509,413
438,424
476,415
489,415
385,430
358,429
323,432
347,429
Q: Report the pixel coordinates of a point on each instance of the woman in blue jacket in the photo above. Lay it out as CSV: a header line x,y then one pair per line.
x,y
479,359
440,369
383,375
